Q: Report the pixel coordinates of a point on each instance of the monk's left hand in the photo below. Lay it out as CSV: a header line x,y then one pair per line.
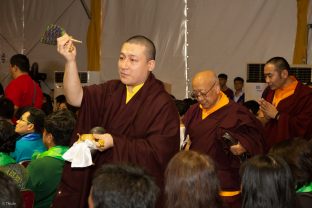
x,y
105,139
237,149
267,108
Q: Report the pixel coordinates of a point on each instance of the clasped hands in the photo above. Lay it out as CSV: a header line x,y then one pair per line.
x,y
268,109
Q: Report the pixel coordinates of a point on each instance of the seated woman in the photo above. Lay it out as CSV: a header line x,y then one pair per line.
x,y
267,183
191,182
7,164
45,170
298,154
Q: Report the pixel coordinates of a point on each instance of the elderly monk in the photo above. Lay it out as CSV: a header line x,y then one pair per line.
x,y
286,105
224,130
139,116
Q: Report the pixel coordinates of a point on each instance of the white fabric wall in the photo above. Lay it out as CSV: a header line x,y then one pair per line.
x,y
22,27
223,35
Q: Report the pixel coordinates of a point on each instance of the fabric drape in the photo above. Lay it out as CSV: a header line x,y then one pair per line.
x,y
300,51
94,36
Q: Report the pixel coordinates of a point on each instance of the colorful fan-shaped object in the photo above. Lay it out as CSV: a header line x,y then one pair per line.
x,y
52,33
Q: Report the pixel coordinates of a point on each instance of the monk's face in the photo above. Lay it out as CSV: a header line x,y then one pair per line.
x,y
134,66
274,77
206,92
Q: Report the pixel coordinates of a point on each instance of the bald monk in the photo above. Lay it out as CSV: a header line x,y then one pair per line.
x,y
139,116
214,118
286,105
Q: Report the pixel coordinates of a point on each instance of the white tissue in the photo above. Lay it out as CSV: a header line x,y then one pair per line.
x,y
80,154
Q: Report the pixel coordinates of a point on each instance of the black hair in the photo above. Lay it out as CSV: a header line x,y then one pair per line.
x,y
123,186
61,125
10,195
6,108
21,61
280,63
36,117
181,106
61,99
297,153
239,79
267,182
142,40
47,106
1,90
7,137
252,105
223,76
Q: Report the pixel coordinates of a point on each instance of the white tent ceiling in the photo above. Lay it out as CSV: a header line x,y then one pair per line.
x,y
221,35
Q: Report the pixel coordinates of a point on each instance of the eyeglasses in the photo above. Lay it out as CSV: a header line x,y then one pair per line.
x,y
28,122
196,95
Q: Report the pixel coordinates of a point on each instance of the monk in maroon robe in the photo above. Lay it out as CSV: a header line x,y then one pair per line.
x,y
139,116
286,105
214,121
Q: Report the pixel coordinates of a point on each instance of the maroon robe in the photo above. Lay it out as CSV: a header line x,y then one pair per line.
x,y
205,135
229,93
145,133
295,118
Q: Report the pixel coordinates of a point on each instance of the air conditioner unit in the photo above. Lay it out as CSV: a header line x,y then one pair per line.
x,y
255,83
86,78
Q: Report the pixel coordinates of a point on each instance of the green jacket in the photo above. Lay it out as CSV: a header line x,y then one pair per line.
x,y
45,174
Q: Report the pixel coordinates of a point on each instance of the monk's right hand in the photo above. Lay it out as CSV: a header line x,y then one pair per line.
x,y
66,47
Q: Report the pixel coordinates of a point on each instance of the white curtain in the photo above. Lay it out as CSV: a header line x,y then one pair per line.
x,y
223,35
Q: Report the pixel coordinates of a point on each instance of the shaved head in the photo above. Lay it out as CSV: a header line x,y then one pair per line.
x,y
205,77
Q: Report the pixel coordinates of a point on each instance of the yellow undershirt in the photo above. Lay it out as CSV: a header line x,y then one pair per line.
x,y
224,100
281,94
130,94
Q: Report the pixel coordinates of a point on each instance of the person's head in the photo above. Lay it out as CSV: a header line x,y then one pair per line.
x,y
181,106
30,121
19,63
276,71
238,83
60,102
10,195
206,88
7,137
252,106
298,154
122,186
191,181
47,104
58,128
6,108
136,60
267,182
222,79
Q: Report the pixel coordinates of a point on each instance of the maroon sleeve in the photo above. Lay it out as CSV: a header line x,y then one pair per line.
x,y
295,118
